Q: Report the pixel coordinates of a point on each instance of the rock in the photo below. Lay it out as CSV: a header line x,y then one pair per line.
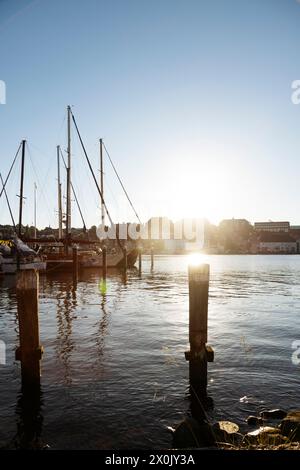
x,y
254,420
228,426
190,433
265,435
290,426
263,430
273,414
227,432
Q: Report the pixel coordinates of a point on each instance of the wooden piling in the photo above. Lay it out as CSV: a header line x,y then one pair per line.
x,y
152,257
125,259
198,305
75,265
140,261
104,262
30,350
199,353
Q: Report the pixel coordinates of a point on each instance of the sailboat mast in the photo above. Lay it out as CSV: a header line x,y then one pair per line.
x,y
59,195
101,184
35,188
68,211
21,188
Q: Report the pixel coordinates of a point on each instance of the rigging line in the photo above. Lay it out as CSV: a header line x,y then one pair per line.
x,y
91,169
38,179
120,181
97,185
7,200
73,190
89,186
10,169
39,183
12,189
77,188
110,190
61,127
49,158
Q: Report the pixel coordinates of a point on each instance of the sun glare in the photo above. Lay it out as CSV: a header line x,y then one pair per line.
x,y
194,259
204,192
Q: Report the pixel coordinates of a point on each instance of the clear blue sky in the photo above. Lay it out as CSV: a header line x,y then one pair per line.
x,y
192,97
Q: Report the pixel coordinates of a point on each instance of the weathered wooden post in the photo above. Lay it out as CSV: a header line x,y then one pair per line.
x,y
199,353
125,259
75,265
29,425
140,261
30,350
104,262
152,257
18,261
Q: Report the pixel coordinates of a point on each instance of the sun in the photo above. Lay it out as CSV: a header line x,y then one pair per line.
x,y
195,259
202,182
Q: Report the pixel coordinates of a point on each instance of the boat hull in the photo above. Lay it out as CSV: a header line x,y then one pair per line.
x,y
12,267
20,257
112,260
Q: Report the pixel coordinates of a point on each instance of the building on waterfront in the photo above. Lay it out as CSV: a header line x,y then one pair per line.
x,y
279,242
272,226
295,232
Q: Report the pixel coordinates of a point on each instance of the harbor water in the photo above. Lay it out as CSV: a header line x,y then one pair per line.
x,y
114,375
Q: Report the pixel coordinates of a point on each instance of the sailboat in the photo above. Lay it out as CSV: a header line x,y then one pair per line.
x,y
17,256
14,253
60,256
115,256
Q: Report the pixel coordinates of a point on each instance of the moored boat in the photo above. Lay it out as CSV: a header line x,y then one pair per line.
x,y
16,255
89,252
113,260
56,259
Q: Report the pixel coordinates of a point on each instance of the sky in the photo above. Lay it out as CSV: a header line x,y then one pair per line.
x,y
192,99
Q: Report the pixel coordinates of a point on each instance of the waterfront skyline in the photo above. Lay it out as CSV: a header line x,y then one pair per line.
x,y
192,98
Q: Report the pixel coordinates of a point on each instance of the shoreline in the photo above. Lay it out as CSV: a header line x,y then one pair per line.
x,y
274,430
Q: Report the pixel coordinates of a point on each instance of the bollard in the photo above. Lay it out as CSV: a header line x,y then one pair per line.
x,y
75,265
199,353
152,257
140,261
104,262
30,351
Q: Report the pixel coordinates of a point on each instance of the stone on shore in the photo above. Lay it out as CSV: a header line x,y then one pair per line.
x,y
189,433
254,420
227,432
265,436
290,426
273,414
